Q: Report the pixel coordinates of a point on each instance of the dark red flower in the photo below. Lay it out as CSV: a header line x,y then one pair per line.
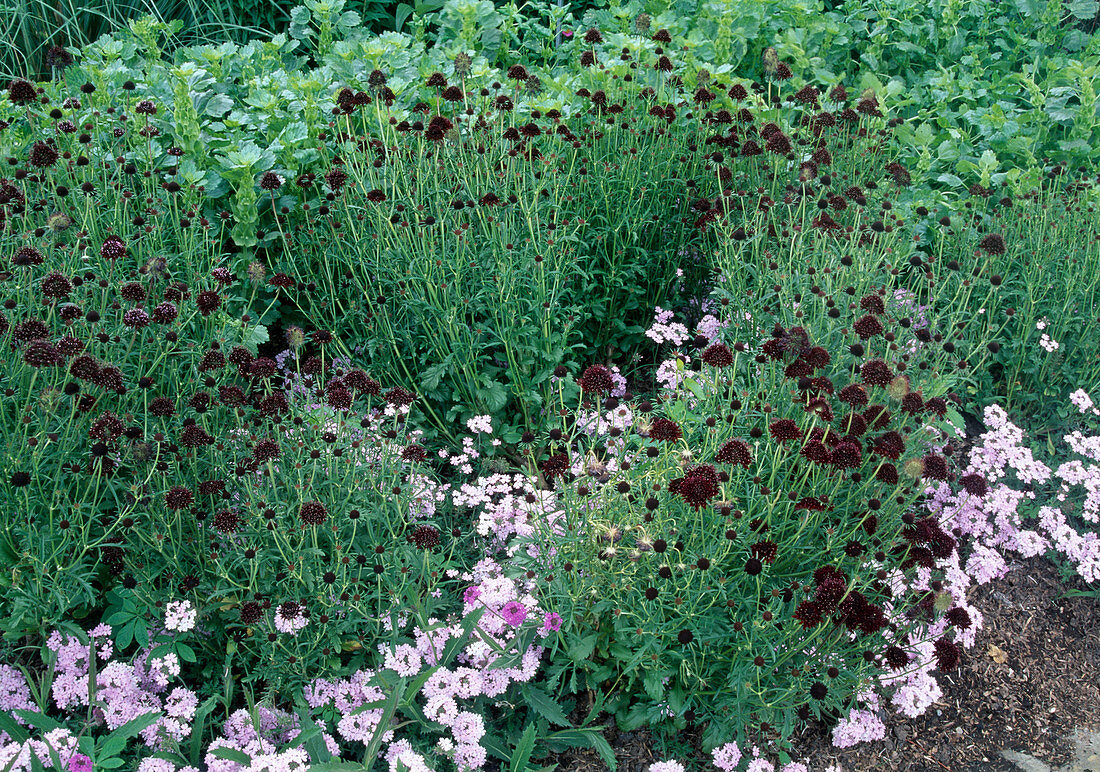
x,y
228,521
596,380
935,467
313,513
854,395
664,430
718,355
400,397
425,537
868,327
975,485
699,486
784,430
765,550
734,452
947,653
876,373
896,658
887,473
846,455
178,498
993,244
208,302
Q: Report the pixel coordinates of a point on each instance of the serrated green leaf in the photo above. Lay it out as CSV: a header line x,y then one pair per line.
x,y
545,705
522,753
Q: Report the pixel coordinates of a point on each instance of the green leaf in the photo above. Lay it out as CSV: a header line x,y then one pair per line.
x,y
583,648
218,106
584,738
14,730
545,706
522,753
38,720
232,754
1084,9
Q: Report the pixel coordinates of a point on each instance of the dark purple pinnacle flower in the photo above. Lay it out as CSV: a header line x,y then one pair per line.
x,y
400,397
597,380
178,498
993,244
208,301
425,537
947,654
876,373
22,91
868,327
734,452
718,355
664,430
784,430
313,513
113,248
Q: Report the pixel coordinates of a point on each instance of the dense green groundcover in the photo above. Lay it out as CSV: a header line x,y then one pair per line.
x,y
634,351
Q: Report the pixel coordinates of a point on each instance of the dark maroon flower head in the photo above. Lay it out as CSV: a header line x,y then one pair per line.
x,y
27,256
817,358
42,353
846,455
868,326
662,36
975,485
208,301
664,430
734,452
876,373
289,610
133,292
113,248
889,445
765,550
877,416
517,72
336,178
425,537
937,406
959,617
313,513
251,613
809,614
195,437
436,80
22,91
784,430
948,654
993,244
228,521
853,394
807,95
400,397
43,155
162,407
414,452
912,403
718,355
935,467
453,94
588,59
178,498
270,181
165,313
596,380
56,285
136,318
816,452
265,450
698,486
555,466
887,473
737,92
853,424
896,658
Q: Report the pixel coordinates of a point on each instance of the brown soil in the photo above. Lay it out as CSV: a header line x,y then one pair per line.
x,y
1046,686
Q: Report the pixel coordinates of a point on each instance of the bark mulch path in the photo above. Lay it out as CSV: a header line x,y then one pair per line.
x,y
1030,681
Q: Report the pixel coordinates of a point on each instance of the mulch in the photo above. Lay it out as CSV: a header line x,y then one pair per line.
x,y
1046,685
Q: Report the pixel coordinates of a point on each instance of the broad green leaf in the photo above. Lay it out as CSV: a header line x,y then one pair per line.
x,y
545,705
522,753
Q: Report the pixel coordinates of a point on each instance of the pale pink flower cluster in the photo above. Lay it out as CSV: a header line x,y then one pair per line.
x,y
180,616
1083,402
663,330
17,757
666,766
